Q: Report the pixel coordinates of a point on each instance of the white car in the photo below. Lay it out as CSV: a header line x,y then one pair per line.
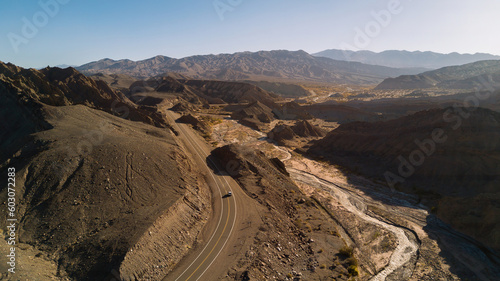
x,y
229,193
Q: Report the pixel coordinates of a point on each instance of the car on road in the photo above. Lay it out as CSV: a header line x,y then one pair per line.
x,y
229,194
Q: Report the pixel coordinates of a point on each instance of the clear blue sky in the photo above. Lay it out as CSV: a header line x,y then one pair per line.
x,y
83,31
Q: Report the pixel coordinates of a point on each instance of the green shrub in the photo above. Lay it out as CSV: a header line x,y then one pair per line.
x,y
334,233
353,270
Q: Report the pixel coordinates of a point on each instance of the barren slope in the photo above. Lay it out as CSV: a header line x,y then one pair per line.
x,y
98,195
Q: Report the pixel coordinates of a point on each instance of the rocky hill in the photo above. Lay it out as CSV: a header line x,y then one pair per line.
x,y
282,89
292,111
402,59
284,134
120,82
255,115
482,74
448,157
59,87
272,66
294,227
91,196
230,92
198,92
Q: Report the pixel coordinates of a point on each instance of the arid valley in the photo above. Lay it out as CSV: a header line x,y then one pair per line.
x,y
247,165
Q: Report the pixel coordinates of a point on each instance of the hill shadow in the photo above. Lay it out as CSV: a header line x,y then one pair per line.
x,y
466,257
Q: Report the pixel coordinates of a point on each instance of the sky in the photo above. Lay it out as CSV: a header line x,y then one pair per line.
x,y
75,32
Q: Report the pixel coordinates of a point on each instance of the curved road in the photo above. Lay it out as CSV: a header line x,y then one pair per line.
x,y
217,233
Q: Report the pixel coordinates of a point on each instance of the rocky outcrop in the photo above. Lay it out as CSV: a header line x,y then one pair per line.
x,y
282,133
305,129
292,111
255,115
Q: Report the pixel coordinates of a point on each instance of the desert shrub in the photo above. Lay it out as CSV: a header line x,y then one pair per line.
x,y
353,270
334,233
346,251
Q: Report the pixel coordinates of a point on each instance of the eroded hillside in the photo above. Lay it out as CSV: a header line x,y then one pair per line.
x,y
98,195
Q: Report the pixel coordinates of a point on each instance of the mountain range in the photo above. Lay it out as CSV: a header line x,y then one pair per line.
x,y
275,66
402,59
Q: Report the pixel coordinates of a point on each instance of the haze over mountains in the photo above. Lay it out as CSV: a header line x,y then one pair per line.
x,y
278,65
401,59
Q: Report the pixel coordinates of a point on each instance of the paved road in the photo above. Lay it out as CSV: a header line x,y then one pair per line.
x,y
220,227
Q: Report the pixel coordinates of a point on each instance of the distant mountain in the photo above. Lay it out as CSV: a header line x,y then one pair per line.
x,y
400,59
468,76
64,65
275,66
